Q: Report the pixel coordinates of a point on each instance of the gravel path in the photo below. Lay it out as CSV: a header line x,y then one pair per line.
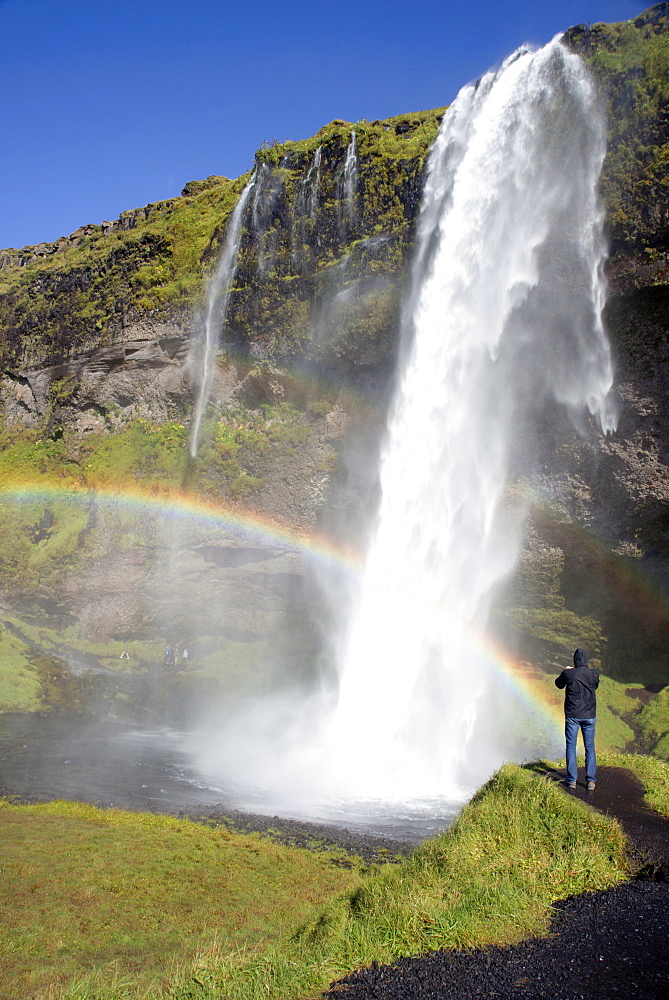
x,y
602,945
619,793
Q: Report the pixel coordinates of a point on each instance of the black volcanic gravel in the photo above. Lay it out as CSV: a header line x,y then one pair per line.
x,y
313,836
602,945
619,793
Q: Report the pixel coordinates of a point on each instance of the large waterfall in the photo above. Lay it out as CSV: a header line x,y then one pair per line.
x,y
504,320
503,352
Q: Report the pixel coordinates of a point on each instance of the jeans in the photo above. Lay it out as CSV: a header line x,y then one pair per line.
x,y
587,726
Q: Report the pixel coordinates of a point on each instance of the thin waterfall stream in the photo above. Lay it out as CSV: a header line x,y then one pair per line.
x,y
204,348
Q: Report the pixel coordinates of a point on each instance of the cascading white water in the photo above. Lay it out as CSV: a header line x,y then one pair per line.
x,y
305,203
307,198
204,347
350,173
349,182
504,317
268,191
503,346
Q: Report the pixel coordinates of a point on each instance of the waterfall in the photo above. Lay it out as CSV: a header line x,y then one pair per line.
x,y
348,184
307,198
268,191
503,326
350,175
305,203
218,295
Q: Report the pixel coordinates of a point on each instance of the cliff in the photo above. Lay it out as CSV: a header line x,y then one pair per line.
x,y
98,382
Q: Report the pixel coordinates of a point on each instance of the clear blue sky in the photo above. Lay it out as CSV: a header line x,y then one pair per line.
x,y
110,104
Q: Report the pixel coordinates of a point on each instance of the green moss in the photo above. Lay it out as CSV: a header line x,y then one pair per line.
x,y
239,451
552,633
24,454
614,710
41,540
141,451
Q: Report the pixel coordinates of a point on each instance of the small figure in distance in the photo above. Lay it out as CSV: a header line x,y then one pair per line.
x,y
184,659
169,656
125,655
580,710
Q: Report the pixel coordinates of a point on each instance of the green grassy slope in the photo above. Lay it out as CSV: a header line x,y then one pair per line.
x,y
517,847
140,894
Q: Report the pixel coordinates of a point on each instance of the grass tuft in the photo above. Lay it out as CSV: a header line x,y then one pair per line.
x,y
109,905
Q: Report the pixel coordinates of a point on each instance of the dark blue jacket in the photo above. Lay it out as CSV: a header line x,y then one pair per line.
x,y
580,701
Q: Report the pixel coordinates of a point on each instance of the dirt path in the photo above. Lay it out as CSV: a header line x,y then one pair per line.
x,y
602,945
619,793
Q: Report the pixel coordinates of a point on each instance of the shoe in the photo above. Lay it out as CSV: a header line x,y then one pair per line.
x,y
569,784
591,786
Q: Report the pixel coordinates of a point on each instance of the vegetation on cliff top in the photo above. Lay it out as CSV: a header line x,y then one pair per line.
x,y
87,291
630,61
89,287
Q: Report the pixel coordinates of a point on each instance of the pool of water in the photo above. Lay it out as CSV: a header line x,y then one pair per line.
x,y
119,764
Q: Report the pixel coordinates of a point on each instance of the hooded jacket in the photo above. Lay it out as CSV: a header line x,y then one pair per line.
x,y
580,701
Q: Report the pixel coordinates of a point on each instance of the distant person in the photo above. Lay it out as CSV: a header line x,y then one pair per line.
x,y
169,656
580,710
125,655
184,657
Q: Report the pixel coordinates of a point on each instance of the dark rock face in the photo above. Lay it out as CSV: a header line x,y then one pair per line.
x,y
599,540
143,376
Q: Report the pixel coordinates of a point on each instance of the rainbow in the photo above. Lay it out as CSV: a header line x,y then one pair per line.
x,y
181,505
522,681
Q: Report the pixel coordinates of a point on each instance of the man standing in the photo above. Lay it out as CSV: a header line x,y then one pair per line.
x,y
580,709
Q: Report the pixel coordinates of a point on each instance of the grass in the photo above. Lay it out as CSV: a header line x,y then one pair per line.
x,y
58,640
517,847
108,905
138,893
19,682
240,450
112,905
654,722
613,709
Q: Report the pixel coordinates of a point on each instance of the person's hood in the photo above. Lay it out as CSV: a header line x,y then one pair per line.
x,y
580,658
